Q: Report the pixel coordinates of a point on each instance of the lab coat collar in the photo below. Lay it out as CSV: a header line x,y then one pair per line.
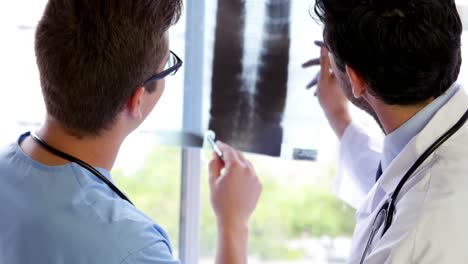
x,y
442,121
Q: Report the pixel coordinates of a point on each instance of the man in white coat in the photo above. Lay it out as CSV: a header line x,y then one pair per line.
x,y
399,60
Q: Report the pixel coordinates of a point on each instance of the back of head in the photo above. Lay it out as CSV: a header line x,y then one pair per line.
x,y
93,54
406,50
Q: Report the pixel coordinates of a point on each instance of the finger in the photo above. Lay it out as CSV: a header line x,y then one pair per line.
x,y
241,157
310,63
250,165
229,154
215,167
324,63
314,81
320,43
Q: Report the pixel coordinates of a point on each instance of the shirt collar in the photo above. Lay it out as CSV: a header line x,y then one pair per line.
x,y
103,171
398,139
440,123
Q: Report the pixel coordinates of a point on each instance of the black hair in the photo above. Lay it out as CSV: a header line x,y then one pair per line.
x,y
407,51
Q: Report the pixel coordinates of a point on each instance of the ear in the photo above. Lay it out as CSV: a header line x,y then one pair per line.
x,y
358,84
134,104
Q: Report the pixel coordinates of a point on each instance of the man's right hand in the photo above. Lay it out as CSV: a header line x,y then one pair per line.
x,y
235,190
330,94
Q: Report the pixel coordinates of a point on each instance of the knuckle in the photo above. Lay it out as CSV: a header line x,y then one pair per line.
x,y
236,165
245,168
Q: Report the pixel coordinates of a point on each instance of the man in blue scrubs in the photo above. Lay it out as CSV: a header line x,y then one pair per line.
x,y
102,66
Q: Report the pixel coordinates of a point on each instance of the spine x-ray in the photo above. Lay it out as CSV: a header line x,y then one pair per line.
x,y
249,83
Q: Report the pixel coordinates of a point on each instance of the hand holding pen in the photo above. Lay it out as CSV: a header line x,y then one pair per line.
x,y
329,92
235,191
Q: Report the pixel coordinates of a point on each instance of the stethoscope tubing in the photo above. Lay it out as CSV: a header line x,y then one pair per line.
x,y
389,207
81,163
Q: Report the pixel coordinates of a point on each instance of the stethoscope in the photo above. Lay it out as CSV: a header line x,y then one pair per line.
x,y
80,163
385,214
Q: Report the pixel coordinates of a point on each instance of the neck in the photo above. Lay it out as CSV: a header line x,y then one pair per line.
x,y
99,151
393,116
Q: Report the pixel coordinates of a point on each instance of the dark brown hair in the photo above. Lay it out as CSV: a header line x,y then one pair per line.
x,y
93,54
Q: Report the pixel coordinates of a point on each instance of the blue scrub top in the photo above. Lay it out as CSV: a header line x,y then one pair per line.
x,y
65,214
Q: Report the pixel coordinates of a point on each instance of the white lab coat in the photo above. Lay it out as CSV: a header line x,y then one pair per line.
x,y
430,224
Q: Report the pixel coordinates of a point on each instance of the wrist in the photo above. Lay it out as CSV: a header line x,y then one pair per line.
x,y
339,120
232,244
230,228
337,111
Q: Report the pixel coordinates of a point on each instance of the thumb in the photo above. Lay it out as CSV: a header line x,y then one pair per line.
x,y
215,167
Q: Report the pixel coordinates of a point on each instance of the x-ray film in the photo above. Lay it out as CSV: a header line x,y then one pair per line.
x,y
252,79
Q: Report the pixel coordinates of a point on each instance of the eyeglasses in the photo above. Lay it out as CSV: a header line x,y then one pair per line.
x,y
172,66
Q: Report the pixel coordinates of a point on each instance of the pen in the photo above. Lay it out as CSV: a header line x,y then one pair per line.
x,y
211,141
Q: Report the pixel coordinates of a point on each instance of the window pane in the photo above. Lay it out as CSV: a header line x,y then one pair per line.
x,y
22,108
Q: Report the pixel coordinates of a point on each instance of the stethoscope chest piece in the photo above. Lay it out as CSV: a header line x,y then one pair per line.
x,y
380,220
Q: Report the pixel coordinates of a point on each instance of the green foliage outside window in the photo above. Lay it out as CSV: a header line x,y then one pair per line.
x,y
288,209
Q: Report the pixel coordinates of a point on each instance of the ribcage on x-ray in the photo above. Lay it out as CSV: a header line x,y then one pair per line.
x,y
249,88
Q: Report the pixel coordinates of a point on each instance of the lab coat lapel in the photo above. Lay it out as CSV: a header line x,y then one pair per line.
x,y
368,206
442,121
